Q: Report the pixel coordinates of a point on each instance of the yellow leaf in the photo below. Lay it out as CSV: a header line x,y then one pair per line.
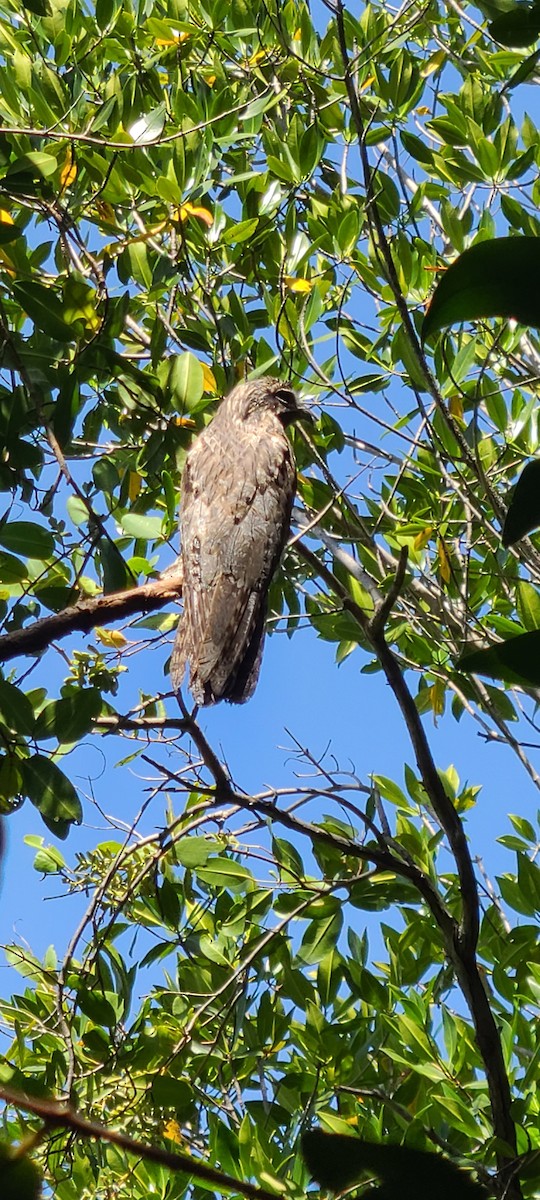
x,y
134,484
210,384
173,1132
5,217
422,538
367,84
434,63
437,698
210,79
110,637
105,211
255,58
185,422
455,407
445,569
298,285
8,263
175,40
191,210
68,174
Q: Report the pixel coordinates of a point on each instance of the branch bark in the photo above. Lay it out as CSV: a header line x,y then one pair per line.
x,y
59,1116
86,614
460,937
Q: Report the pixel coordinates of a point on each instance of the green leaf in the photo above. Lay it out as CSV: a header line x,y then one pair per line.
x,y
70,718
40,8
44,308
19,1177
16,711
51,792
149,127
137,525
193,851
224,872
518,27
48,859
168,1092
77,510
497,278
524,509
116,573
9,233
95,1005
12,570
186,381
36,163
322,933
528,604
337,1161
240,232
516,660
26,538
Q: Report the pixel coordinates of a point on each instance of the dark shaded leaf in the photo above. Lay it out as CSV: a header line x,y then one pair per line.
x,y
16,711
524,508
51,791
517,660
9,233
44,308
12,570
70,718
40,8
518,27
498,278
170,1093
116,575
19,1178
25,537
336,1161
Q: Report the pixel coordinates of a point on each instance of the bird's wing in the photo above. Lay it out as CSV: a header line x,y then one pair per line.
x,y
237,494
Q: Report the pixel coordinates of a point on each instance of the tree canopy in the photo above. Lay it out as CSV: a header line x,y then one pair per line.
x,y
344,197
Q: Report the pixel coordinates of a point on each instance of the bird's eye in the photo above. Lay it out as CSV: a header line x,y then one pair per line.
x,y
287,396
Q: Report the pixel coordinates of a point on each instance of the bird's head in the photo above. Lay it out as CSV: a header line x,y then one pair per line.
x,y
267,394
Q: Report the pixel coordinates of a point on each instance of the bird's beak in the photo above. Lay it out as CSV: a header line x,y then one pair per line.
x,y
301,413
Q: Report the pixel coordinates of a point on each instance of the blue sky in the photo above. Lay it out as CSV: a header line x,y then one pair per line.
x,y
337,711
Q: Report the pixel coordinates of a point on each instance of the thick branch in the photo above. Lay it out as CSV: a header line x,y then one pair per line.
x,y
461,944
86,614
61,1116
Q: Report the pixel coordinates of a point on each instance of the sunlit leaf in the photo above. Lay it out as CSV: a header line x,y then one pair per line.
x,y
68,174
148,127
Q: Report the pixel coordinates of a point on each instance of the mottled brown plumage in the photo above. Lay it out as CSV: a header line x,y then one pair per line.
x,y
238,488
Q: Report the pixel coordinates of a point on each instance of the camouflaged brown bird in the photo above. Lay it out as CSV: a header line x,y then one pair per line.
x,y
238,488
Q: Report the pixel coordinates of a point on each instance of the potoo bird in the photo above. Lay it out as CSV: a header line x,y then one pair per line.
x,y
238,487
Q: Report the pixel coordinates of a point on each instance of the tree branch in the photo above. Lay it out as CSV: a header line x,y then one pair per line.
x,y
86,614
461,940
62,1116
